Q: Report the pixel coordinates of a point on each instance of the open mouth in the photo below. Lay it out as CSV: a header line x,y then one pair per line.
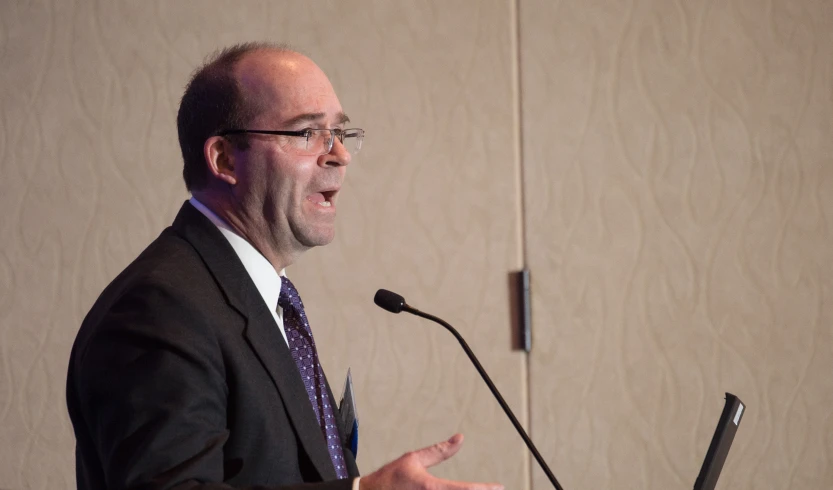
x,y
323,198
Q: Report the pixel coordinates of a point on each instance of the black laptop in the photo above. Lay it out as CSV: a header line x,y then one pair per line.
x,y
722,439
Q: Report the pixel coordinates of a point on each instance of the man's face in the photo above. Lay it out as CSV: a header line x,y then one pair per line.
x,y
290,195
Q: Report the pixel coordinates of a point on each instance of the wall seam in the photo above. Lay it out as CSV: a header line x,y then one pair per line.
x,y
520,219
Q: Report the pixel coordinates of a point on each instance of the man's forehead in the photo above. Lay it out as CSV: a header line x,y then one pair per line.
x,y
313,117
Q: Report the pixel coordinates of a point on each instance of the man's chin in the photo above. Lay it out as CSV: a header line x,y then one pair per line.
x,y
317,238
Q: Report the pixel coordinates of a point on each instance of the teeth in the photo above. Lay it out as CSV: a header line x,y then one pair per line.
x,y
326,204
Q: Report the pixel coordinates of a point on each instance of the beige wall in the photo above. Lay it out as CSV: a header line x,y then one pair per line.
x,y
679,168
674,180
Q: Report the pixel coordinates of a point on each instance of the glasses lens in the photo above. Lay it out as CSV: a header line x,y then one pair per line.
x,y
352,139
320,141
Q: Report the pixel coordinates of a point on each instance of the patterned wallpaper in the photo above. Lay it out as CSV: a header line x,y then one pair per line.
x,y
676,197
679,226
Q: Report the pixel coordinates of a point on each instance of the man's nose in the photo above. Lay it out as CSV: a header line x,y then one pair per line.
x,y
338,155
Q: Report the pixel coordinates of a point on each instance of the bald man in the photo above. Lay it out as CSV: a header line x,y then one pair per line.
x,y
196,367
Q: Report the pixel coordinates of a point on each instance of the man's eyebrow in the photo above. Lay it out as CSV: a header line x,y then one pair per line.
x,y
341,118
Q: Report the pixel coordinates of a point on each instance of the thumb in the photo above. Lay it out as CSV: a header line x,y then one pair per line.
x,y
439,452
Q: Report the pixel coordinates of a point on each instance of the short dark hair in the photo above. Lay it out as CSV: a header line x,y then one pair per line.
x,y
213,101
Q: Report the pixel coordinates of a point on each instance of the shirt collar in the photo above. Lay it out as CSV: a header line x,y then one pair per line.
x,y
267,281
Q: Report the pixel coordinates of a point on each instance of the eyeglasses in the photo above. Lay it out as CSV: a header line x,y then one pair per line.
x,y
310,142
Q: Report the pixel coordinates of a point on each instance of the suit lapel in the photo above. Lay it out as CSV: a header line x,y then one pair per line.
x,y
261,332
268,343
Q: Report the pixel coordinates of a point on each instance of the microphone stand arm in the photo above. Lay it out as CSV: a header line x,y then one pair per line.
x,y
493,389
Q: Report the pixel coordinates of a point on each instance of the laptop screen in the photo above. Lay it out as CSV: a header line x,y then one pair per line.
x,y
722,439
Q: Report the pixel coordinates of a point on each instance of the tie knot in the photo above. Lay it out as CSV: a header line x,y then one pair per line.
x,y
289,297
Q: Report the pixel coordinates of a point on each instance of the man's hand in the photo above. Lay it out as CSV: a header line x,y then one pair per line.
x,y
409,472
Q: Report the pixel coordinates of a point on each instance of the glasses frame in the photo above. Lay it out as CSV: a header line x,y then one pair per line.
x,y
304,133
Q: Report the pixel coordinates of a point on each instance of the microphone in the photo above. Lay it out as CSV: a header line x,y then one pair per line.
x,y
395,303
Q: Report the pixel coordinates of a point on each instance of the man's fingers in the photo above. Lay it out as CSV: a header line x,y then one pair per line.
x,y
439,452
409,471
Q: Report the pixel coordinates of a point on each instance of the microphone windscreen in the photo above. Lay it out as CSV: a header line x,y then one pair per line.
x,y
389,300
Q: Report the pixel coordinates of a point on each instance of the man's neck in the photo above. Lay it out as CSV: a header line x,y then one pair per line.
x,y
239,225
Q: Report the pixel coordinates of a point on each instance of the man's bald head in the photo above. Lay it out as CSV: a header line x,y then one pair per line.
x,y
220,96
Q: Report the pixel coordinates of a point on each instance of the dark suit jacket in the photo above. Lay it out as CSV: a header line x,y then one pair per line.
x,y
180,378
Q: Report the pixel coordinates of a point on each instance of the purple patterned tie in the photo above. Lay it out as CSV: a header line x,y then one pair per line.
x,y
302,347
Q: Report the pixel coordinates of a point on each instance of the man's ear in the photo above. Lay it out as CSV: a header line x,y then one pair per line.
x,y
219,158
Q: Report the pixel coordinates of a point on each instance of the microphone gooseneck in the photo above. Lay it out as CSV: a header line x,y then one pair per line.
x,y
395,303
